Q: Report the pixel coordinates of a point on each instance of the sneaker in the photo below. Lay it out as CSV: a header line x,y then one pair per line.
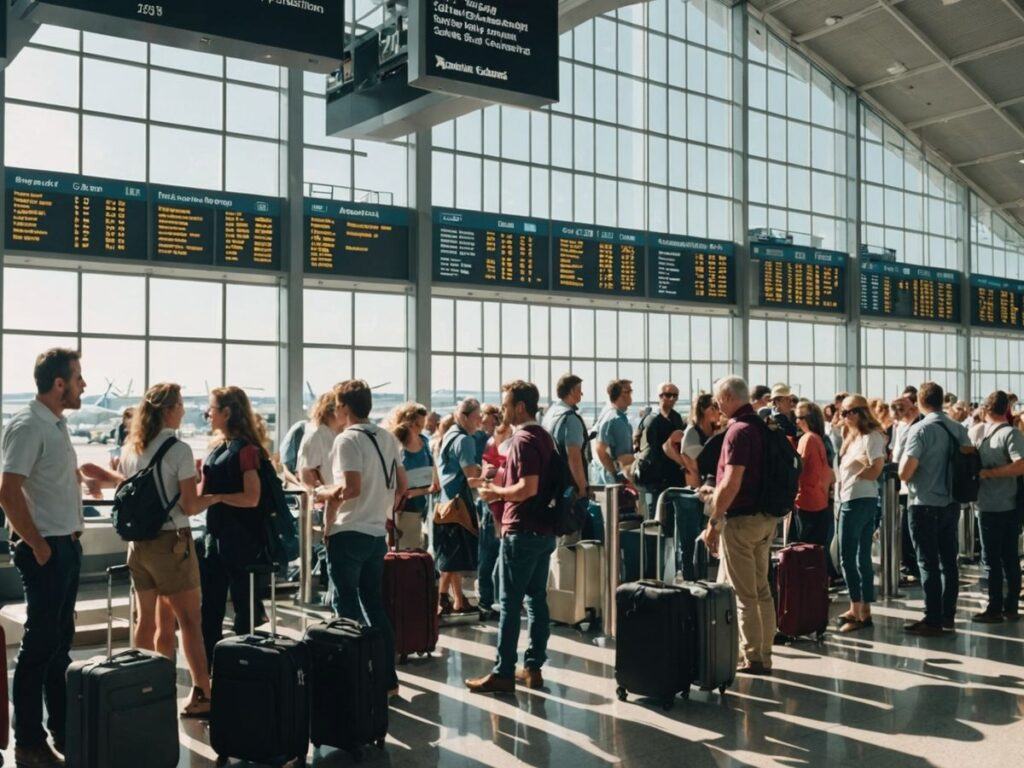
x,y
988,617
492,684
530,677
922,629
41,756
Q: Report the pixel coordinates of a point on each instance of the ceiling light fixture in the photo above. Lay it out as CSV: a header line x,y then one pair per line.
x,y
1021,161
831,21
896,68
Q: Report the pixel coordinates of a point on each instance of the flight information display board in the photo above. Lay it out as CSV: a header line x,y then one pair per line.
x,y
997,302
213,228
691,269
907,292
63,214
356,239
797,277
492,250
589,259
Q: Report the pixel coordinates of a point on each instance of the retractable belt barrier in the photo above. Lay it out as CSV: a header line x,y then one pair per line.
x,y
891,532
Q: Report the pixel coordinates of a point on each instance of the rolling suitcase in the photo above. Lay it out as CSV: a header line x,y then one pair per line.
x,y
801,591
260,705
717,644
576,584
409,529
410,599
348,693
122,706
654,639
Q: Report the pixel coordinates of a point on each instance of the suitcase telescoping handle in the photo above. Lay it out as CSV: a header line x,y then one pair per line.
x,y
260,569
643,546
669,494
112,571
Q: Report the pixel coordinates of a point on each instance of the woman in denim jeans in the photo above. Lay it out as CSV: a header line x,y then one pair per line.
x,y
860,463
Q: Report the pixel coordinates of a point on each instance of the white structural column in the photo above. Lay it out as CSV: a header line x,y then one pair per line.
x,y
290,373
420,332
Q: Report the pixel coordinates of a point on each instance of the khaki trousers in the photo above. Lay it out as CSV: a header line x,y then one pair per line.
x,y
745,550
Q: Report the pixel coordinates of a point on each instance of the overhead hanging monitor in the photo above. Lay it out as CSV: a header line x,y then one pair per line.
x,y
598,260
997,302
909,292
691,269
356,239
309,34
800,277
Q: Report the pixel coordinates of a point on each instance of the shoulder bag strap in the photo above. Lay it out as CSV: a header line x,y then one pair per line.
x,y
156,463
389,476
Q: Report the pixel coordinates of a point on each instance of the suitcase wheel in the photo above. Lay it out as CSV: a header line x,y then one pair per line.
x,y
685,693
721,689
621,693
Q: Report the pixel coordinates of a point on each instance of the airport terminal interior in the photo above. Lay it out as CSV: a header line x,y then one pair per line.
x,y
441,197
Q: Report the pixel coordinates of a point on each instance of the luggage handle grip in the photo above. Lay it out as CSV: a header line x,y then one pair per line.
x,y
112,571
643,546
262,568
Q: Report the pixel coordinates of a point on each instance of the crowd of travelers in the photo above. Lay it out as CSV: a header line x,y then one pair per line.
x,y
476,486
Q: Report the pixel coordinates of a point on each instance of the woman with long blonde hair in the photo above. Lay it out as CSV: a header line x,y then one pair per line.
x,y
860,464
166,568
406,423
235,537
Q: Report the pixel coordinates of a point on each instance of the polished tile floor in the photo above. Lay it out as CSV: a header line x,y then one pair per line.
x,y
877,699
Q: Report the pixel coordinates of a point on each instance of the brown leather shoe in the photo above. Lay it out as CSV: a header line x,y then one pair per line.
x,y
492,684
530,677
40,756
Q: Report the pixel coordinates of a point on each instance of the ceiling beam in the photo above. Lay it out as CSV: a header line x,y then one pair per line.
x,y
843,22
1012,204
978,91
956,61
778,5
962,113
992,158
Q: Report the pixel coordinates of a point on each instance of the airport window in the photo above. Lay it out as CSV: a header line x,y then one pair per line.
x,y
132,333
996,363
907,203
361,334
892,358
478,345
997,248
809,357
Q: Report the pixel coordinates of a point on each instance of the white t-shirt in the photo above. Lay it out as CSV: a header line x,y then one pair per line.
x,y
851,463
315,451
178,464
353,451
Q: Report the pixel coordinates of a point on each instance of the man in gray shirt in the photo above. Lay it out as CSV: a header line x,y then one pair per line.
x,y
933,512
1001,447
40,491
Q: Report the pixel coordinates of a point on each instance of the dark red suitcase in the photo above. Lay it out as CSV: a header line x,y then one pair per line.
x,y
801,589
410,599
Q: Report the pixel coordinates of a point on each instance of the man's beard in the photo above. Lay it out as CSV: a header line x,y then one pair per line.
x,y
71,403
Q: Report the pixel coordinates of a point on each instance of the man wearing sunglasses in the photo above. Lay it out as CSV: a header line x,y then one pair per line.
x,y
653,469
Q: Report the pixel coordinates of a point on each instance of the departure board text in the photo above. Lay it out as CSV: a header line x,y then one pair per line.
x,y
691,269
356,239
997,302
909,292
589,259
492,250
803,278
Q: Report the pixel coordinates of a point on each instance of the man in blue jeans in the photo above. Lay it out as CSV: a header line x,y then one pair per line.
x,y
526,544
933,512
371,481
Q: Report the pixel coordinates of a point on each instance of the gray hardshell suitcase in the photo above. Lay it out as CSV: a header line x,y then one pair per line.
x,y
717,634
123,706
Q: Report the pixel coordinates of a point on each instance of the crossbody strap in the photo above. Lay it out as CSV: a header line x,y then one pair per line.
x,y
389,476
157,463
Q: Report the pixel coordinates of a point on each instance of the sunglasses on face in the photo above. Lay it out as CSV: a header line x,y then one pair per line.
x,y
669,394
844,413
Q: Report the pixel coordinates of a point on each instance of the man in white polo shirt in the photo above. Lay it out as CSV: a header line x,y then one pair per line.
x,y
40,492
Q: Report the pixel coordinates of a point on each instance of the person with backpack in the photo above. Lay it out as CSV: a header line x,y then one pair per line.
x,y
567,428
370,485
613,443
781,412
235,525
653,469
741,525
527,542
999,505
165,567
861,459
929,467
905,415
456,524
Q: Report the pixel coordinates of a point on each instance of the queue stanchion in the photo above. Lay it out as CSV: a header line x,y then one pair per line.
x,y
609,500
891,533
306,549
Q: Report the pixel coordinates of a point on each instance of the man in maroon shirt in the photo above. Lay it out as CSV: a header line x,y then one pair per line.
x,y
738,531
527,541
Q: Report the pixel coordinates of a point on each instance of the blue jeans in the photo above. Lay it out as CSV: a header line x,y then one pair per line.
x,y
1000,537
524,564
689,520
44,656
489,547
856,527
934,533
356,567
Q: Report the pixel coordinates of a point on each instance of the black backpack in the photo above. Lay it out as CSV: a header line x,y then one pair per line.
x,y
780,473
587,436
560,496
280,529
140,510
964,469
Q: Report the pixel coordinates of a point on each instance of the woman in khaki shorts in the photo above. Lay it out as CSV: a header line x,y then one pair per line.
x,y
166,567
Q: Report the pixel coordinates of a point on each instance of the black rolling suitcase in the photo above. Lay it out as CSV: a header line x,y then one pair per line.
x,y
348,690
654,637
717,634
122,706
259,710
